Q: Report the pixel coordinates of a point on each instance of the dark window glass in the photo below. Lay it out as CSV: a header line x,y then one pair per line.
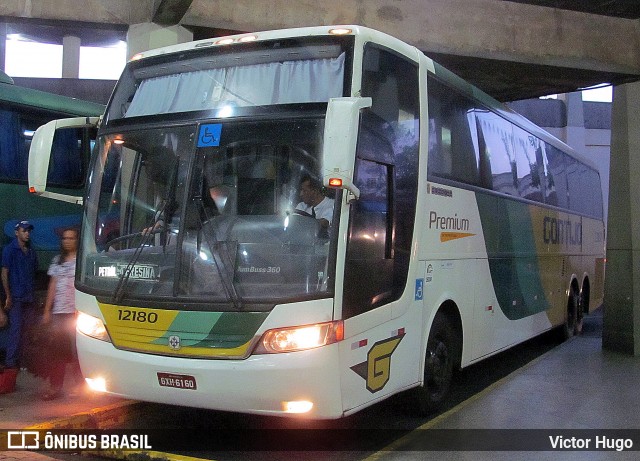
x,y
556,168
528,149
470,144
369,241
584,194
14,144
495,134
69,154
453,151
382,220
67,166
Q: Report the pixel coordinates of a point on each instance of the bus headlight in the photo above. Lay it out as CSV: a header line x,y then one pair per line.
x,y
300,338
92,326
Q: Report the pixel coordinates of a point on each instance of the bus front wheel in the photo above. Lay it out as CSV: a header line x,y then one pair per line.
x,y
438,367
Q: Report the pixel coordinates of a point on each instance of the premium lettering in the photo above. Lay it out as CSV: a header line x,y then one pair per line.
x,y
447,222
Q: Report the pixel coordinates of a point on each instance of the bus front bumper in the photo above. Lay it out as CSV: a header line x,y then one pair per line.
x,y
304,384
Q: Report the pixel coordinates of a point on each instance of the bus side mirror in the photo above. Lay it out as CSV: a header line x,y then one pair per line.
x,y
340,138
40,155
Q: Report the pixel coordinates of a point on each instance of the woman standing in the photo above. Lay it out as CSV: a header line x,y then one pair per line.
x,y
60,313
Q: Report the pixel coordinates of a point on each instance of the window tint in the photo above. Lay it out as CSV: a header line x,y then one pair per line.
x,y
496,140
14,145
472,145
369,241
382,220
453,145
67,166
557,193
528,149
583,196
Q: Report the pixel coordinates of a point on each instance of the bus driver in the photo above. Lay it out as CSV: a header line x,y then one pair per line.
x,y
314,203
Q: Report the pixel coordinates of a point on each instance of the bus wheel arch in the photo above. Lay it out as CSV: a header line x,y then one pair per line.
x,y
443,356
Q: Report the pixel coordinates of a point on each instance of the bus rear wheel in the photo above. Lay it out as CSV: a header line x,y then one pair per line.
x,y
438,367
583,306
571,321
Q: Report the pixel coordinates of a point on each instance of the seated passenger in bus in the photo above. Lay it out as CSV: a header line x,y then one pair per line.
x,y
314,203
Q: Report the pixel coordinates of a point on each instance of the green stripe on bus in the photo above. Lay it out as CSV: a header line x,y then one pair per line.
x,y
514,263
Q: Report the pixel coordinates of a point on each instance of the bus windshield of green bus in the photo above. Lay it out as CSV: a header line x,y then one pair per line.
x,y
218,78
206,212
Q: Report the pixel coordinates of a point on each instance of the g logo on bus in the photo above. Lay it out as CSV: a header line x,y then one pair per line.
x,y
174,342
377,369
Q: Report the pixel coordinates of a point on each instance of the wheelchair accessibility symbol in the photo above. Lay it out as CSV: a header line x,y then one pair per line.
x,y
209,135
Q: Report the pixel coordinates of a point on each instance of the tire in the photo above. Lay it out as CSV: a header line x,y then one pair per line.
x,y
440,359
569,327
577,330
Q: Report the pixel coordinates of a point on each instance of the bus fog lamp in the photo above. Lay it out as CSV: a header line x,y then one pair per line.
x,y
297,406
97,384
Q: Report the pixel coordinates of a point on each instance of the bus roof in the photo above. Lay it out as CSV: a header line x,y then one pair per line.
x,y
384,39
11,93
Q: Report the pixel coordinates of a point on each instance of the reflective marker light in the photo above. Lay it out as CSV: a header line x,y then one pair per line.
x,y
299,406
300,338
91,326
335,182
340,31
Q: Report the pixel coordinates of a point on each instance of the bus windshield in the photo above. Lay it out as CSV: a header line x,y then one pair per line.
x,y
197,177
207,212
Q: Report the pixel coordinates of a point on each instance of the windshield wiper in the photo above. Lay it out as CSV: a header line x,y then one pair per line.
x,y
159,215
226,270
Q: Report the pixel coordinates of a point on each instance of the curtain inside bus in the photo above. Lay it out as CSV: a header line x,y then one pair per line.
x,y
307,80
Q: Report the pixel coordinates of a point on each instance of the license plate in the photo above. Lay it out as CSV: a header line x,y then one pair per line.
x,y
177,381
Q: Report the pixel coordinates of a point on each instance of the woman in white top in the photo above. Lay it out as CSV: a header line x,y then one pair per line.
x,y
60,313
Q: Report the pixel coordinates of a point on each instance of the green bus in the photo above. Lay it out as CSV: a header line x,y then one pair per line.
x,y
22,111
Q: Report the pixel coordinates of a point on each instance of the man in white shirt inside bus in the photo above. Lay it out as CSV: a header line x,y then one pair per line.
x,y
314,203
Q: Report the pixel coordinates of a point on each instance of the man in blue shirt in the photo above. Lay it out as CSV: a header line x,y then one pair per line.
x,y
19,264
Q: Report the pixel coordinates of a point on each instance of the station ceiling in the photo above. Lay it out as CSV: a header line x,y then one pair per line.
x,y
504,80
510,80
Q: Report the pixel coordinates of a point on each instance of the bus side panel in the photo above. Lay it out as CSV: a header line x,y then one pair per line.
x,y
382,360
453,245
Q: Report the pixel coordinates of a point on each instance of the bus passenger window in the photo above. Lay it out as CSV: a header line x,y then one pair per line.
x,y
453,144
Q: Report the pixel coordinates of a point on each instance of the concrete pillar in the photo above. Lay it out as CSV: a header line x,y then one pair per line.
x,y
147,36
3,45
574,132
70,57
621,330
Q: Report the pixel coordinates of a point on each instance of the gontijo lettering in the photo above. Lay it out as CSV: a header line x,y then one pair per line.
x,y
561,231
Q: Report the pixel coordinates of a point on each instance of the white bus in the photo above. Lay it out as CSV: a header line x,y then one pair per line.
x,y
459,228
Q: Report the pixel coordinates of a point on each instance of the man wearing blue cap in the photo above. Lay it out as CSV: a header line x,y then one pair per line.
x,y
19,264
